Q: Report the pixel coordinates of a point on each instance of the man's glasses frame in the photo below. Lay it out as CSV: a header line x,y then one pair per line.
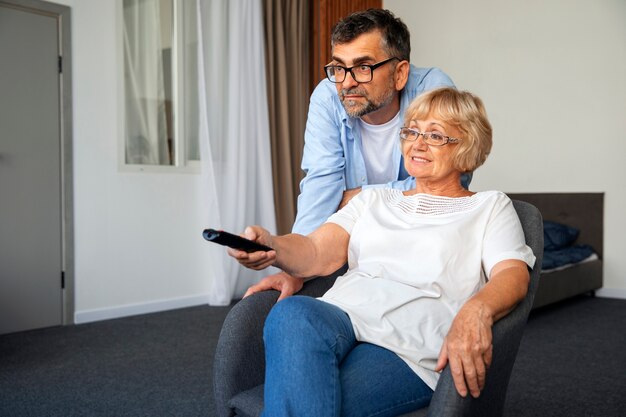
x,y
362,73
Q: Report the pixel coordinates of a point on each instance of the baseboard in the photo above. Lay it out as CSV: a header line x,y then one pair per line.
x,y
88,316
611,293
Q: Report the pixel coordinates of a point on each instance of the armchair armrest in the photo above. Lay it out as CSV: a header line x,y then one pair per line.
x,y
239,363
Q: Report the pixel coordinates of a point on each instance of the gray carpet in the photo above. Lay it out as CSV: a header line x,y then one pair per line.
x,y
572,362
151,365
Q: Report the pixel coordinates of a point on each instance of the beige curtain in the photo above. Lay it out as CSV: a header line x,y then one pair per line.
x,y
287,63
234,188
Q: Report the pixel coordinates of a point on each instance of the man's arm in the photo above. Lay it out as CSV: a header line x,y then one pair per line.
x,y
323,162
322,188
426,79
347,196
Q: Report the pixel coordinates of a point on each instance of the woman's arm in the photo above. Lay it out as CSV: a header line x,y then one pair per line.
x,y
468,345
320,253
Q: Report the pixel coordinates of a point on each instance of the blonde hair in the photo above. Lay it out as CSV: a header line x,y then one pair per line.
x,y
464,111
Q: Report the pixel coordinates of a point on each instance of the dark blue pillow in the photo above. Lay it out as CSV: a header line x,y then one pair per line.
x,y
566,256
558,236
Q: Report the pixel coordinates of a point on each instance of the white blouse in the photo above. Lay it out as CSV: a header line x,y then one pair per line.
x,y
414,261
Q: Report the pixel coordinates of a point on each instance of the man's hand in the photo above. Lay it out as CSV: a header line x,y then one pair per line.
x,y
347,196
468,349
282,281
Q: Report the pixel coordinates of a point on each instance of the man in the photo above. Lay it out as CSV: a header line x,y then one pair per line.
x,y
351,137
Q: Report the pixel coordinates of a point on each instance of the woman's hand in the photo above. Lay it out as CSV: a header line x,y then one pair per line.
x,y
255,260
468,348
320,253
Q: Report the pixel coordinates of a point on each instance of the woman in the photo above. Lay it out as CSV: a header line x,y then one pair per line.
x,y
429,272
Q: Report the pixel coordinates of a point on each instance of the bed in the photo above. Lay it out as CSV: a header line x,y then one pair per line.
x,y
584,212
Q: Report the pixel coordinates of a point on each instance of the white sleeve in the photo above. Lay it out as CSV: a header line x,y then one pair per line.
x,y
504,238
351,212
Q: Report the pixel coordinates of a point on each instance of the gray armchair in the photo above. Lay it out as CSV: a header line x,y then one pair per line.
x,y
239,367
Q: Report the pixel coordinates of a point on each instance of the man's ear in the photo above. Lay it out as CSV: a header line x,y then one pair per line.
x,y
401,75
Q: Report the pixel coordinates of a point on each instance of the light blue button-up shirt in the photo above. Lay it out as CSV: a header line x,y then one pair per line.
x,y
333,152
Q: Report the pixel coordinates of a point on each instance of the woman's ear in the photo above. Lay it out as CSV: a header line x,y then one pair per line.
x,y
402,74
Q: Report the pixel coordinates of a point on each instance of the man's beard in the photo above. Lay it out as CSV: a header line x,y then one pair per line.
x,y
359,110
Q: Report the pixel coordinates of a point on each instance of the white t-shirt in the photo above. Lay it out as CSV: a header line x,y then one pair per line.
x,y
378,143
414,261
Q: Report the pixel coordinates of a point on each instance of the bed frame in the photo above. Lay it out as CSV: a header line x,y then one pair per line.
x,y
584,211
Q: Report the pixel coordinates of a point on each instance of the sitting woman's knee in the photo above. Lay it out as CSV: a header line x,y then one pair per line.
x,y
288,316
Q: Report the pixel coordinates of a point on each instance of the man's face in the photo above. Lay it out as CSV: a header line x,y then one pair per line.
x,y
361,99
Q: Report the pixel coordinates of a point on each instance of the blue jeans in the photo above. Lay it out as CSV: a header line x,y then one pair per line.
x,y
316,367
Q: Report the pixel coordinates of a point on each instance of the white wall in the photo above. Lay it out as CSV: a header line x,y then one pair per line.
x,y
138,243
553,78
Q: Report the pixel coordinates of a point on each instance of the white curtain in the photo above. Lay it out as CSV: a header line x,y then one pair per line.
x,y
146,131
234,134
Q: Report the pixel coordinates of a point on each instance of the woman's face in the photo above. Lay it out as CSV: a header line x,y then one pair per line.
x,y
427,162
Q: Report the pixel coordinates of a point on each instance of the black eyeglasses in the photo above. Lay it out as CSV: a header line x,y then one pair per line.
x,y
361,73
430,138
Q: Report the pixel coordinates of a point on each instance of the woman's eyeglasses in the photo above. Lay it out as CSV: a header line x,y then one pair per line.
x,y
430,138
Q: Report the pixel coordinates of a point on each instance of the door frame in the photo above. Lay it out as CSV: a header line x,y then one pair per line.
x,y
63,17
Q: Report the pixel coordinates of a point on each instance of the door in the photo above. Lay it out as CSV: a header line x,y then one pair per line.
x,y
31,224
